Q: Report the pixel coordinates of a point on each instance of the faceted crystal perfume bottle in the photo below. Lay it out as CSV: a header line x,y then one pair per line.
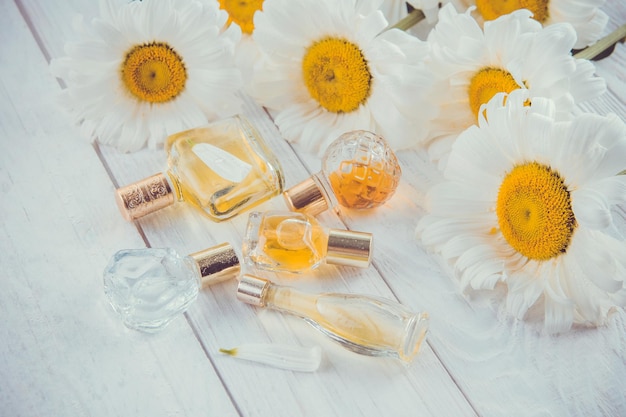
x,y
150,287
296,242
359,171
367,325
223,169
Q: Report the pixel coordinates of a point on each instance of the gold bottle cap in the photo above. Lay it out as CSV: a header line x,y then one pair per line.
x,y
143,197
306,197
217,264
252,290
349,248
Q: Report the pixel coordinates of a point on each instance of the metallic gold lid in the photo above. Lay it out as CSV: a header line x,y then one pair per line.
x,y
143,197
346,247
307,197
252,290
217,264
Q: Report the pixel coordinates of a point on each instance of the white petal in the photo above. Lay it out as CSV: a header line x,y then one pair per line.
x,y
294,358
524,289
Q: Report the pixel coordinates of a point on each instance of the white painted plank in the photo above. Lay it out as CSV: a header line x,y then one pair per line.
x,y
62,351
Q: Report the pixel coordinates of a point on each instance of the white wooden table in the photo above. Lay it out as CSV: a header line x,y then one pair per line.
x,y
63,352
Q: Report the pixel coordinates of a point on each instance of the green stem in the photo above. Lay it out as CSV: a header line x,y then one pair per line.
x,y
622,173
413,18
618,35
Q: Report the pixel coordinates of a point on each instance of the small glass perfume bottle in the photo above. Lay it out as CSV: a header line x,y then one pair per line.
x,y
367,325
149,287
359,171
223,169
296,242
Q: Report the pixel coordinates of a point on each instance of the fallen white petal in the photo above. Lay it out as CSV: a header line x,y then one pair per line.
x,y
294,358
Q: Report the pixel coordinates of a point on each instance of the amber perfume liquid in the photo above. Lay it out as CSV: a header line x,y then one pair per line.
x,y
224,168
296,242
361,186
292,243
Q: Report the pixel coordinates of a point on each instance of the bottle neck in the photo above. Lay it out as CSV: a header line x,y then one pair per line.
x,y
326,190
175,185
289,300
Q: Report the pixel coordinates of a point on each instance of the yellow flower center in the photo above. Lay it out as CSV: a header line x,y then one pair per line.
x,y
336,75
154,72
486,83
534,211
492,9
242,12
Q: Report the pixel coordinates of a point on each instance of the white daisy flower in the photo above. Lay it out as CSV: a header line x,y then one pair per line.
x,y
327,69
146,69
241,13
526,200
585,16
512,52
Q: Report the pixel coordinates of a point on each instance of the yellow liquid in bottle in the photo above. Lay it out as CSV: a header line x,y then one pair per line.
x,y
233,176
362,186
293,243
362,328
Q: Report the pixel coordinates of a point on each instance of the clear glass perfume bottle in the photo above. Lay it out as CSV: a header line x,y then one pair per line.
x,y
223,169
296,242
367,325
359,171
149,287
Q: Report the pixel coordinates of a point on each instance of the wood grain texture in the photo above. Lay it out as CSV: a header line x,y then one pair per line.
x,y
68,355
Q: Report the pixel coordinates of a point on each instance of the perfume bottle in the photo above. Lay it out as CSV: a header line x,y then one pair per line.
x,y
367,325
359,171
223,169
150,287
296,242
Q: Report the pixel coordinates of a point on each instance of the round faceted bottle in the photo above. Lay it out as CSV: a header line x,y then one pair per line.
x,y
223,168
359,171
296,242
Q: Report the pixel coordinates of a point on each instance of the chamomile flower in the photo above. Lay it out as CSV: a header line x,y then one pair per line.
x,y
526,200
327,69
584,15
146,69
241,13
511,52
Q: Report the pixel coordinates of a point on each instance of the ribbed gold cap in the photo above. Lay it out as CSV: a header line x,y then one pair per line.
x,y
217,264
252,290
306,197
346,247
143,197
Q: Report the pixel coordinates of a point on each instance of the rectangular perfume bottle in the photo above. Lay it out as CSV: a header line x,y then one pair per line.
x,y
223,168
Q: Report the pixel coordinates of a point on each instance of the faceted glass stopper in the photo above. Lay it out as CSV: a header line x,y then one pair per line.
x,y
362,170
150,287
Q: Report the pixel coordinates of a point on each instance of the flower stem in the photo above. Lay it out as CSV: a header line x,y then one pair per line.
x,y
413,18
591,52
